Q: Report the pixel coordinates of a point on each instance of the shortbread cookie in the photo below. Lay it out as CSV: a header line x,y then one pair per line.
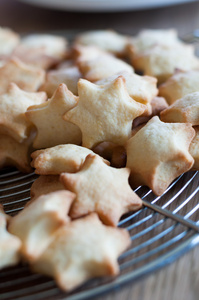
x,y
141,88
102,67
13,106
81,250
25,76
194,149
34,57
13,153
179,85
107,40
52,130
8,41
148,38
85,53
52,45
96,64
102,189
69,76
44,185
158,153
184,110
104,113
59,159
9,244
161,62
36,223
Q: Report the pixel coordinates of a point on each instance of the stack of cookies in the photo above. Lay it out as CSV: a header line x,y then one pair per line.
x,y
95,119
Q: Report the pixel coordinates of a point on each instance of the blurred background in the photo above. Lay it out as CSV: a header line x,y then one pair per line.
x,y
22,16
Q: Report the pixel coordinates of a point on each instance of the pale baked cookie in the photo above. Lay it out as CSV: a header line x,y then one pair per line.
x,y
194,149
34,57
13,153
27,77
102,189
52,130
59,159
148,38
104,113
161,62
52,45
85,53
9,244
36,223
81,250
184,110
107,40
44,185
158,153
141,88
69,76
13,106
103,66
179,85
8,40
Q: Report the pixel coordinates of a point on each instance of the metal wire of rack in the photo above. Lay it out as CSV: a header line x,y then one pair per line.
x,y
165,228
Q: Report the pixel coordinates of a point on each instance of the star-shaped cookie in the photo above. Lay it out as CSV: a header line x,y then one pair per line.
x,y
13,106
161,61
27,77
13,153
9,244
158,153
194,149
8,40
45,184
69,76
104,113
81,250
184,110
179,85
107,40
38,221
52,130
102,189
59,159
141,88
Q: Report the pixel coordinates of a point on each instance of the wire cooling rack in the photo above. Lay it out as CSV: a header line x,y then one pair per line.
x,y
165,228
